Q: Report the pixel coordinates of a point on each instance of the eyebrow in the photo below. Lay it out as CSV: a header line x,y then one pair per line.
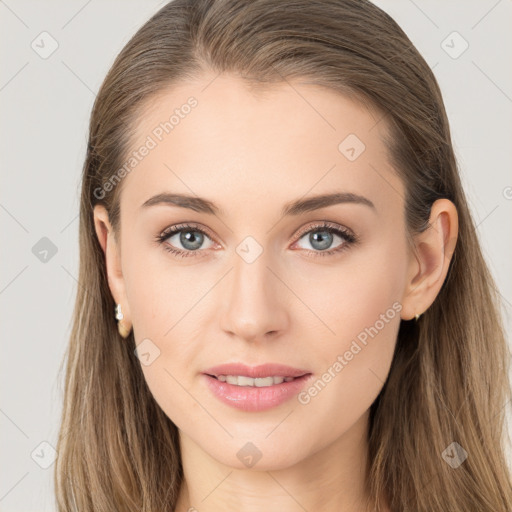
x,y
298,207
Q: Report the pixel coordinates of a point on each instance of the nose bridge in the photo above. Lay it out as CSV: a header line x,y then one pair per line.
x,y
253,308
250,268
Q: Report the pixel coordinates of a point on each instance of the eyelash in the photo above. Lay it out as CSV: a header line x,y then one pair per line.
x,y
350,239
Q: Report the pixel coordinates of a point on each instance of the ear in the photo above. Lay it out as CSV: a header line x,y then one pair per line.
x,y
430,258
111,248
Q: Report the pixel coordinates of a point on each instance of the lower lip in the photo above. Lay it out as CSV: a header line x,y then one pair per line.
x,y
253,399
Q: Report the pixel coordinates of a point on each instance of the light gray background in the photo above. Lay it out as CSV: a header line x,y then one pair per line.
x,y
45,105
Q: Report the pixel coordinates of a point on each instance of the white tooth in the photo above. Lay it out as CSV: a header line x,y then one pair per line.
x,y
260,382
264,381
245,381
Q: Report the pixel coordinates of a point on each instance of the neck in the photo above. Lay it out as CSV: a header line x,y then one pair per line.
x,y
330,479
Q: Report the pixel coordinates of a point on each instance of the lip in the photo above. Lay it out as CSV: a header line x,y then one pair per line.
x,y
263,370
255,399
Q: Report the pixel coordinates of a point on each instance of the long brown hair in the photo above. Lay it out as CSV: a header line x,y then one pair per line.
x,y
448,382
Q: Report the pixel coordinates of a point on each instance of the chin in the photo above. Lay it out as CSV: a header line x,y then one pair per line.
x,y
257,455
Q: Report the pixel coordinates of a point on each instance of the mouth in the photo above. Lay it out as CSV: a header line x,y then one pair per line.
x,y
255,394
258,382
263,375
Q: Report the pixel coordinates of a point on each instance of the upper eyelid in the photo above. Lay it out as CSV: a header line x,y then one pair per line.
x,y
176,228
323,224
316,225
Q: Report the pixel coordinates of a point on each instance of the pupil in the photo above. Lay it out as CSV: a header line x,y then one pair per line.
x,y
191,239
324,238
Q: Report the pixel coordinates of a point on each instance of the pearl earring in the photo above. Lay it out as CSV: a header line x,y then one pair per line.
x,y
417,316
123,330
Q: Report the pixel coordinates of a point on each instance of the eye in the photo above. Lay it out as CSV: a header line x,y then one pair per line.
x,y
192,237
189,236
321,236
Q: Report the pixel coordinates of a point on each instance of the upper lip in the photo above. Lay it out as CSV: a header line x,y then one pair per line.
x,y
263,370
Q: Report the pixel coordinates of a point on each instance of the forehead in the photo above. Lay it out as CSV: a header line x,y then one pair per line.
x,y
218,137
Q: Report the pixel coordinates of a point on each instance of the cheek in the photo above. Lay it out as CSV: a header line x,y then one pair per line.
x,y
363,316
352,378
353,295
161,291
164,309
162,329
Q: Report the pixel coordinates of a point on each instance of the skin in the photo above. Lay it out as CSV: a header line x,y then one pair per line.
x,y
251,154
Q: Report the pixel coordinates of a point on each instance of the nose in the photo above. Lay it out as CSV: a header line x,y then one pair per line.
x,y
255,301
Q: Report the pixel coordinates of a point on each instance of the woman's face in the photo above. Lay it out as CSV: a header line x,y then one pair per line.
x,y
260,286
